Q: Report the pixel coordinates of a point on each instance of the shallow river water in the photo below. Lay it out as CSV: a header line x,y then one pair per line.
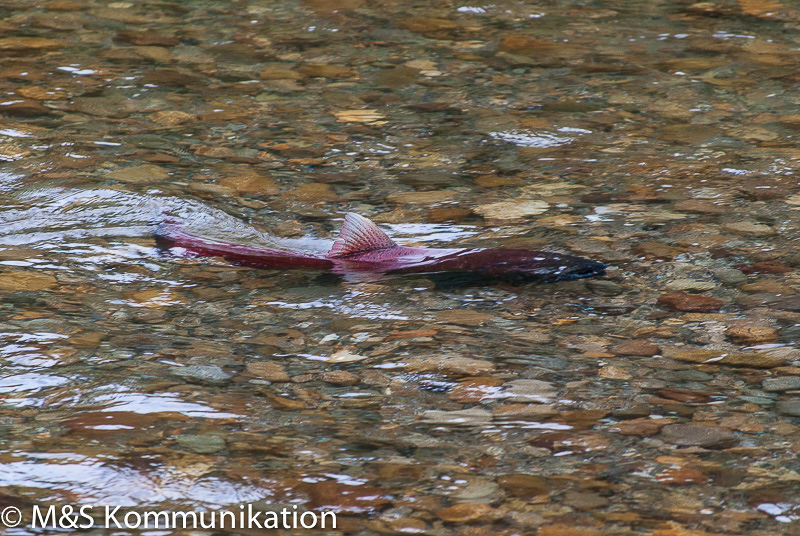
x,y
657,137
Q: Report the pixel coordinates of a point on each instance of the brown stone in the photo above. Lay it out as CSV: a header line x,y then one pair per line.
x,y
267,371
23,108
685,395
612,372
468,513
312,192
447,214
279,73
657,250
475,390
637,348
340,377
523,486
396,76
169,118
456,366
686,133
28,44
700,206
764,190
720,357
748,228
464,317
26,280
694,303
524,412
144,173
526,46
250,184
751,334
145,38
411,334
64,5
325,71
584,500
421,198
698,435
40,93
568,530
642,427
344,498
430,27
765,267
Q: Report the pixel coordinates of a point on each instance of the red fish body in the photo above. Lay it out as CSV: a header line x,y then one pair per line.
x,y
362,249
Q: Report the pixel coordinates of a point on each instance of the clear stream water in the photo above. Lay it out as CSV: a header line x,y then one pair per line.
x,y
657,137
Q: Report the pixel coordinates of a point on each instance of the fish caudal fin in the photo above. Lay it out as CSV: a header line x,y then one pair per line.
x,y
359,235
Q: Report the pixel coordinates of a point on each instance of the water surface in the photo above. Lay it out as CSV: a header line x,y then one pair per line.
x,y
657,137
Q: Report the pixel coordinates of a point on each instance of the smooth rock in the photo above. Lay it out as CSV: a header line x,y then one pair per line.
x,y
203,373
340,377
528,391
612,372
641,427
694,303
656,250
26,280
604,287
690,284
28,44
421,198
766,267
201,444
464,317
267,371
560,529
523,412
751,334
747,228
730,276
23,108
467,513
464,417
523,486
456,366
637,348
509,210
140,174
698,435
780,384
789,407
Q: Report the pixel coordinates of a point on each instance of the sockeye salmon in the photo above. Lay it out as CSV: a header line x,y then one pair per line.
x,y
364,252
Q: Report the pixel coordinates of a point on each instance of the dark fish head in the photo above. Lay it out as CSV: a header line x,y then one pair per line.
x,y
522,265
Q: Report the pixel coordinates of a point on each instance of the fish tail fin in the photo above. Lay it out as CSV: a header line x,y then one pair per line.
x,y
359,235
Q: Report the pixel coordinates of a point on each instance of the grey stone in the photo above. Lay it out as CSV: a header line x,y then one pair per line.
x,y
789,407
604,288
203,373
697,435
528,391
781,383
464,417
201,444
730,276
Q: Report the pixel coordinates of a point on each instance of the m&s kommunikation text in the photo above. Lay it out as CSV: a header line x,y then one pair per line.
x,y
86,516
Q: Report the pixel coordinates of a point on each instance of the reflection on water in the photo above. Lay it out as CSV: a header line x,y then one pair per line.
x,y
95,482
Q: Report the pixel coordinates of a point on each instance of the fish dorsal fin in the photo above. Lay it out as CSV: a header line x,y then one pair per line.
x,y
359,235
